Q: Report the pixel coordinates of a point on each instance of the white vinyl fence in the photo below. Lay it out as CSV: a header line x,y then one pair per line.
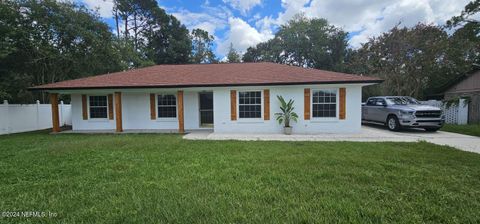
x,y
455,114
16,118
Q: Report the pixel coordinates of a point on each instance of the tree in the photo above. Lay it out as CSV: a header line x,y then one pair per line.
x,y
159,37
129,57
251,55
48,41
467,36
412,61
202,44
233,56
467,15
137,17
270,51
304,42
171,44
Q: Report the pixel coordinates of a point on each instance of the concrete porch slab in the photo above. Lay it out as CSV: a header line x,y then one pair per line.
x,y
367,134
131,131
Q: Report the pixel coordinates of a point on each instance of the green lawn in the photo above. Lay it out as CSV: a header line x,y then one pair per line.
x,y
470,129
150,178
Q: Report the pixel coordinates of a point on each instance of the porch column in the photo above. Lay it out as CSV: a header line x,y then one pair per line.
x,y
181,124
118,111
55,119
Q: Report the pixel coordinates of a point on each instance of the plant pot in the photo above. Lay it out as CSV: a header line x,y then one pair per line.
x,y
287,130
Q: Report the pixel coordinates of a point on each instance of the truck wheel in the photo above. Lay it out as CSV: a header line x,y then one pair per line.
x,y
393,124
431,129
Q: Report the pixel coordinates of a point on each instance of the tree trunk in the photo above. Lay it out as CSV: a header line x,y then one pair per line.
x,y
135,41
126,28
116,23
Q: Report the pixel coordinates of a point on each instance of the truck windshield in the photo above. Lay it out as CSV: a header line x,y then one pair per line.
x,y
401,100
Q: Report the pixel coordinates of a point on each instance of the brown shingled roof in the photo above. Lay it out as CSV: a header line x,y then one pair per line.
x,y
203,75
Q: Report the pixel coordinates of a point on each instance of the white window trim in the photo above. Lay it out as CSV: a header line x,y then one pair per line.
x,y
250,120
166,119
336,118
88,108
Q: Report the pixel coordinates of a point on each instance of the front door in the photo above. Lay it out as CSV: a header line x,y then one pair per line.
x,y
206,109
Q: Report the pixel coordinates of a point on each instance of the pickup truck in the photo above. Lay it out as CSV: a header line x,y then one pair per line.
x,y
397,112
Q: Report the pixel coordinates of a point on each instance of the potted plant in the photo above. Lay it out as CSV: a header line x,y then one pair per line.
x,y
286,115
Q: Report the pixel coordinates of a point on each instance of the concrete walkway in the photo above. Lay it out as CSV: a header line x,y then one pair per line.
x,y
368,134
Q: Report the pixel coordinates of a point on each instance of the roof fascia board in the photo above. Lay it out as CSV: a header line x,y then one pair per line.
x,y
206,88
364,82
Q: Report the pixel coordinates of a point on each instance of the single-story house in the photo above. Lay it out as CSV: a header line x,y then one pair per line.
x,y
467,86
226,98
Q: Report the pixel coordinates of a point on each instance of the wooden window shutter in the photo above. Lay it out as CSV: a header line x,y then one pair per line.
x,y
306,106
343,105
233,105
153,110
266,104
84,107
110,106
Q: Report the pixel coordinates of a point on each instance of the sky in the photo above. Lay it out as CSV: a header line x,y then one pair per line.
x,y
245,23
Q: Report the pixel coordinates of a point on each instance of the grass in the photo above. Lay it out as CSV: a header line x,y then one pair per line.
x,y
469,129
151,178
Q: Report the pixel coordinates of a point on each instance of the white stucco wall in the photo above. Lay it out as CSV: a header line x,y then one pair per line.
x,y
136,111
92,124
352,123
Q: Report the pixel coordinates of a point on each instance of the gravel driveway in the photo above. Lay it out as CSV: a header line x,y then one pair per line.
x,y
369,133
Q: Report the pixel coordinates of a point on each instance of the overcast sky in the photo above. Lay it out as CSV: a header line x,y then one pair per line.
x,y
248,22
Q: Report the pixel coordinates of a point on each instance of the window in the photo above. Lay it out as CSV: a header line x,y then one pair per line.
x,y
98,106
371,102
250,104
324,103
380,102
167,106
402,100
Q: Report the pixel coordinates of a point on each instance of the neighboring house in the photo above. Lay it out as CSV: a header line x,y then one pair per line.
x,y
228,98
468,86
